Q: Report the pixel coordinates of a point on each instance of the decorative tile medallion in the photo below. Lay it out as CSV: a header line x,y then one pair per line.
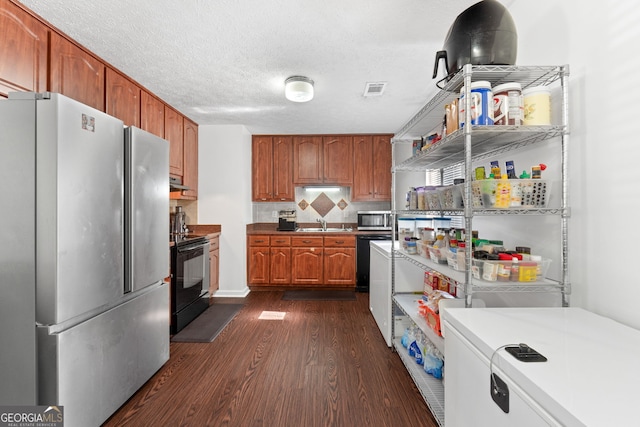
x,y
322,204
303,204
342,204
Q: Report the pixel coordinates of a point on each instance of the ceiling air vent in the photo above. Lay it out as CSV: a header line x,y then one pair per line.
x,y
374,88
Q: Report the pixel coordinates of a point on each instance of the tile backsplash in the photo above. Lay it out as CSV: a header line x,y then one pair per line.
x,y
190,208
333,206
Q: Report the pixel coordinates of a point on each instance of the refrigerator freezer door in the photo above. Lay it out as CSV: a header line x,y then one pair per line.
x,y
146,208
94,367
79,220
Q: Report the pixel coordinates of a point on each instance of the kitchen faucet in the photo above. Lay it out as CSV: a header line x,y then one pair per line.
x,y
323,223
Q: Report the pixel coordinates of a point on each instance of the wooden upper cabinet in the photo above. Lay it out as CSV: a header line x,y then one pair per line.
x,y
337,160
371,168
362,188
122,98
262,168
272,168
23,51
382,167
283,169
307,160
174,133
322,160
151,114
76,73
190,172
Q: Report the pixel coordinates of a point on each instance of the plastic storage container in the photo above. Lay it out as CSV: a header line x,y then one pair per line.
x,y
451,196
432,197
528,271
508,105
537,106
520,193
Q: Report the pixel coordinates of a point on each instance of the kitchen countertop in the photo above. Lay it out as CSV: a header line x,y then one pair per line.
x,y
591,376
211,230
208,230
272,228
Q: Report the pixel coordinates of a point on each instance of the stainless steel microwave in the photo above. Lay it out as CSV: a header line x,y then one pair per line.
x,y
374,220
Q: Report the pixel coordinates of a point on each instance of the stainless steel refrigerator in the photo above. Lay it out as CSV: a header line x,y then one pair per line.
x,y
84,309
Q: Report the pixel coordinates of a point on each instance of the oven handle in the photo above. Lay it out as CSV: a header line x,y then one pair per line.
x,y
187,248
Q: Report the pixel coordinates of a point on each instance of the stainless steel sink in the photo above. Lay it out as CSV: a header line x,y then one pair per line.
x,y
320,230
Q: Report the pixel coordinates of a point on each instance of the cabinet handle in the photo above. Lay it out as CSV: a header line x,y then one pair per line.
x,y
280,241
259,241
307,241
339,242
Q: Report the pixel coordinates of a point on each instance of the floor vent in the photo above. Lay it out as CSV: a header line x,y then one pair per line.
x,y
374,88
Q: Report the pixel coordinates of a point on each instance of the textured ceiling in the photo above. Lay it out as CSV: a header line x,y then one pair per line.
x,y
225,61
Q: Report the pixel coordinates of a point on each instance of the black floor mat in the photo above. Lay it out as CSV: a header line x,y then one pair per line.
x,y
207,326
318,295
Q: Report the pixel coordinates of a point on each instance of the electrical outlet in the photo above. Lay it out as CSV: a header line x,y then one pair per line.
x,y
274,214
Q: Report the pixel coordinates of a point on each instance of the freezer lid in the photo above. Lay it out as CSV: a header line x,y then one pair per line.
x,y
79,219
146,209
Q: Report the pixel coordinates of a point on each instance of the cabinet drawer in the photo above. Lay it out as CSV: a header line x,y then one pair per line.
x,y
214,243
280,240
340,242
258,240
307,241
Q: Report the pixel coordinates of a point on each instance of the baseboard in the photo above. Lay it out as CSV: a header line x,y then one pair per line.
x,y
224,293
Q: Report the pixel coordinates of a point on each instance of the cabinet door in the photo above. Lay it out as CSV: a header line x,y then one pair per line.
x,y
214,267
75,73
381,168
340,266
258,265
261,168
151,114
337,160
190,172
306,266
362,188
23,49
283,169
174,133
122,98
307,160
280,266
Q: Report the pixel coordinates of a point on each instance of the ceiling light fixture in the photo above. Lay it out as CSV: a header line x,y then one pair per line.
x,y
298,89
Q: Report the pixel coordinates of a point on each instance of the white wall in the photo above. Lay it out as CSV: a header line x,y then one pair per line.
x,y
224,197
599,42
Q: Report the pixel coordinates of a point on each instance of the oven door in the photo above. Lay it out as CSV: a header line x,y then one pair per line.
x,y
191,276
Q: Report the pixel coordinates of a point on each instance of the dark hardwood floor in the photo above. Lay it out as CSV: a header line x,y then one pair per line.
x,y
325,364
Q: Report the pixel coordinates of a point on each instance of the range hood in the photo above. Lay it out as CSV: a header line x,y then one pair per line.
x,y
175,184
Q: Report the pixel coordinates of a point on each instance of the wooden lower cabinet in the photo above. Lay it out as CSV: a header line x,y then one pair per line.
x,y
340,260
279,260
258,260
214,264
